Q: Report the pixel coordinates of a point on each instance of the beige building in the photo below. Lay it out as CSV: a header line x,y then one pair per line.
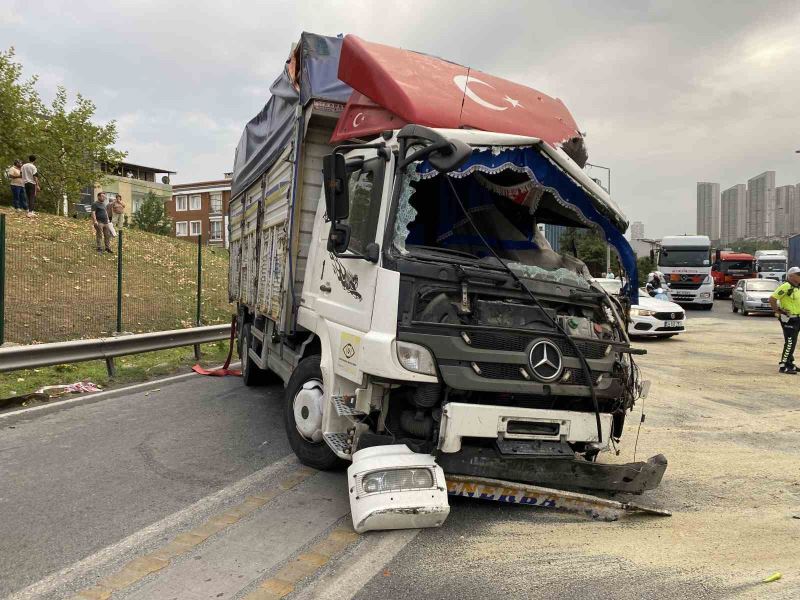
x,y
133,182
733,214
761,205
708,209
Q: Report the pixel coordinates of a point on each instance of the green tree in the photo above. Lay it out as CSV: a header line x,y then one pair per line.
x,y
750,246
644,265
72,149
20,111
590,247
152,216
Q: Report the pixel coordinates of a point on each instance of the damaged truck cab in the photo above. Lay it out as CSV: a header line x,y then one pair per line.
x,y
407,297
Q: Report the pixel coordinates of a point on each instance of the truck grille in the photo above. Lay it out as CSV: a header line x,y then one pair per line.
x,y
517,342
684,285
512,373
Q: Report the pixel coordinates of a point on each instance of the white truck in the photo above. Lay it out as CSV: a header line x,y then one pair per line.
x,y
404,297
685,261
772,264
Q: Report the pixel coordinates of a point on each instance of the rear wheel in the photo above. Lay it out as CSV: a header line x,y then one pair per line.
x,y
303,411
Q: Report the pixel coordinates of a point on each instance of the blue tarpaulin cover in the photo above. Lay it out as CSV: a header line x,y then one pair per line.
x,y
268,133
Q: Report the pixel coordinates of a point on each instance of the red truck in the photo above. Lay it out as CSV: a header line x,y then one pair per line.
x,y
728,268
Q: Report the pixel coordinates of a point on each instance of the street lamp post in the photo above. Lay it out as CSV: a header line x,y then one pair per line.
x,y
608,248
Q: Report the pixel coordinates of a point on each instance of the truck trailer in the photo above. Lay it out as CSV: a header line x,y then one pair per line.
x,y
387,266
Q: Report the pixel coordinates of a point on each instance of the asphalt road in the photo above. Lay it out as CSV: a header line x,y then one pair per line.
x,y
191,492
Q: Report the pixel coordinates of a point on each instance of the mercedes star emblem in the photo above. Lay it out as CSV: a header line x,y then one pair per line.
x,y
545,361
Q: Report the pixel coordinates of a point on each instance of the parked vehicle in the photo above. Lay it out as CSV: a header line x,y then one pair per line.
x,y
653,316
772,264
752,295
395,316
686,264
794,251
729,268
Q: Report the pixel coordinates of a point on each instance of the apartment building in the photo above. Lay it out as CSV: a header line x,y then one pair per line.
x,y
201,208
733,214
708,209
761,205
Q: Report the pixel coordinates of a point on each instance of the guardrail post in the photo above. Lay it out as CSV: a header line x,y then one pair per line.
x,y
199,289
2,279
119,281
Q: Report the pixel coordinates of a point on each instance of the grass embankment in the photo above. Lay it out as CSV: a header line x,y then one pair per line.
x,y
59,288
129,369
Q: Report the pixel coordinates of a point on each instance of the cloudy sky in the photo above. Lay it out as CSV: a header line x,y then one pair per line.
x,y
668,93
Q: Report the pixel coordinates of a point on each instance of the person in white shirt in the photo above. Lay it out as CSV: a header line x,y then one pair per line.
x,y
30,176
18,199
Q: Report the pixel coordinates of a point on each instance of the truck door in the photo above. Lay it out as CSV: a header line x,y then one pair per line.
x,y
345,286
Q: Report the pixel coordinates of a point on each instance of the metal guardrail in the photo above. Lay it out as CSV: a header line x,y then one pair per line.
x,y
43,355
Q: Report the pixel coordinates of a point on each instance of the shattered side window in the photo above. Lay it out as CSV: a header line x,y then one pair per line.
x,y
405,212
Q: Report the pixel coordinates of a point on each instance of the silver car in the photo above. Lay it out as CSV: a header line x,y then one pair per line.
x,y
752,295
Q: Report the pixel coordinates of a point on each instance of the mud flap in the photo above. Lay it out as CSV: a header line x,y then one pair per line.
x,y
531,495
559,473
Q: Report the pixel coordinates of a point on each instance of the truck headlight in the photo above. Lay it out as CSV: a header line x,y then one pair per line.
x,y
415,358
397,480
642,312
705,295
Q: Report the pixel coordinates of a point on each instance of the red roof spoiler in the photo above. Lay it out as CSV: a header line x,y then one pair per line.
x,y
394,87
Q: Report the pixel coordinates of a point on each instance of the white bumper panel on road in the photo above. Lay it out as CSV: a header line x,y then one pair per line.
x,y
460,420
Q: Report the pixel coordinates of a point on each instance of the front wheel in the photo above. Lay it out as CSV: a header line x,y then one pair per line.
x,y
745,312
303,411
733,307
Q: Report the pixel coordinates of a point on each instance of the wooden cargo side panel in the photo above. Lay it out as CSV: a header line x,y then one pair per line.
x,y
315,147
274,223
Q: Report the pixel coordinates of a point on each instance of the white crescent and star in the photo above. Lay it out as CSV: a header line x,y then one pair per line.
x,y
358,119
463,83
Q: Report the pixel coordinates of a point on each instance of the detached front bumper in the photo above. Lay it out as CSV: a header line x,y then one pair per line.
x,y
559,473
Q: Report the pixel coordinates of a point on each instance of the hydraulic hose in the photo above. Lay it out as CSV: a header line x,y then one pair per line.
x,y
584,364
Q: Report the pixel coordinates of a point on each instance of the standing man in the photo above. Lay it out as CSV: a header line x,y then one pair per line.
x,y
18,200
30,176
118,212
100,222
785,301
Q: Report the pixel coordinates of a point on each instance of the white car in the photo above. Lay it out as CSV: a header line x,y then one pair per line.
x,y
651,317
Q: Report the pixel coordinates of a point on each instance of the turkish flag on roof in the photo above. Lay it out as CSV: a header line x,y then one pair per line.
x,y
394,87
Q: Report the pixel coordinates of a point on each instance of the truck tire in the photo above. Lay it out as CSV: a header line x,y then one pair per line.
x,y
304,398
252,375
733,307
745,312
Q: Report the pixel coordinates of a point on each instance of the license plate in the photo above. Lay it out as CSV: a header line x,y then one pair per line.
x,y
675,324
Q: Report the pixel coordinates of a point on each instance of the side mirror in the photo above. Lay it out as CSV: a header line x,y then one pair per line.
x,y
337,203
338,238
450,158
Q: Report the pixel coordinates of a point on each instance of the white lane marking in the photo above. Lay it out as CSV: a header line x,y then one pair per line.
x,y
45,587
352,574
116,391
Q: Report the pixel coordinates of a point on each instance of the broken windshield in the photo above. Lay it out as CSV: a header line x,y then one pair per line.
x,y
505,206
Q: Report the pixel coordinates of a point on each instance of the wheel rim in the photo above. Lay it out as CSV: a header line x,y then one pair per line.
x,y
307,408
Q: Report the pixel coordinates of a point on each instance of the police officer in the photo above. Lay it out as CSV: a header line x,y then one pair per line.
x,y
785,301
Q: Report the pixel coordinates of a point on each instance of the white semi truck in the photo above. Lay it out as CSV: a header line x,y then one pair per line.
x,y
404,296
685,261
772,264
